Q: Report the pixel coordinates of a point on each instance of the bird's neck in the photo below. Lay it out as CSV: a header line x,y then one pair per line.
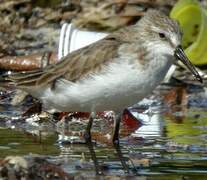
x,y
159,64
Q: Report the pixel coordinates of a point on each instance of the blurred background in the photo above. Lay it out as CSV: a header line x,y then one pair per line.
x,y
162,137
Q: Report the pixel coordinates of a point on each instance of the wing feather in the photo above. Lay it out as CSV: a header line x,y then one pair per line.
x,y
73,67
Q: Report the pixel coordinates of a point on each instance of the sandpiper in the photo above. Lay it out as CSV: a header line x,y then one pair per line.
x,y
111,74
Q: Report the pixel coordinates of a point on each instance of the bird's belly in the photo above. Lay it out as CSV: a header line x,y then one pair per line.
x,y
98,98
100,92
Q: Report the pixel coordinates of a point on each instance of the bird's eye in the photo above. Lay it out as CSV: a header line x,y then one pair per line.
x,y
162,35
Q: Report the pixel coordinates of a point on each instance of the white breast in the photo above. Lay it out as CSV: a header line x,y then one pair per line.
x,y
119,86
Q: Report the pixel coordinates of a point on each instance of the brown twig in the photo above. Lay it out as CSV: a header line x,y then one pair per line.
x,y
29,62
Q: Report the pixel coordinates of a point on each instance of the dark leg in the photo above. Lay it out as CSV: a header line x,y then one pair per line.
x,y
94,158
116,128
121,158
123,161
87,134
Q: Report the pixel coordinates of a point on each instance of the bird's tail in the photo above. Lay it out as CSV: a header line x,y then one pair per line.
x,y
19,78
4,80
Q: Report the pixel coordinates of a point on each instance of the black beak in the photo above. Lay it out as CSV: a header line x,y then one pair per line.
x,y
179,53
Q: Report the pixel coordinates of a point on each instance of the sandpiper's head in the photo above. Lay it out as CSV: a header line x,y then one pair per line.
x,y
163,35
160,32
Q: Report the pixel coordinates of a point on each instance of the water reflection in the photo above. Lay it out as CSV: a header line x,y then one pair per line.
x,y
152,125
154,140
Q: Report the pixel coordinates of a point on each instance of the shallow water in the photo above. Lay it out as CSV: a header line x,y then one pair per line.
x,y
167,138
